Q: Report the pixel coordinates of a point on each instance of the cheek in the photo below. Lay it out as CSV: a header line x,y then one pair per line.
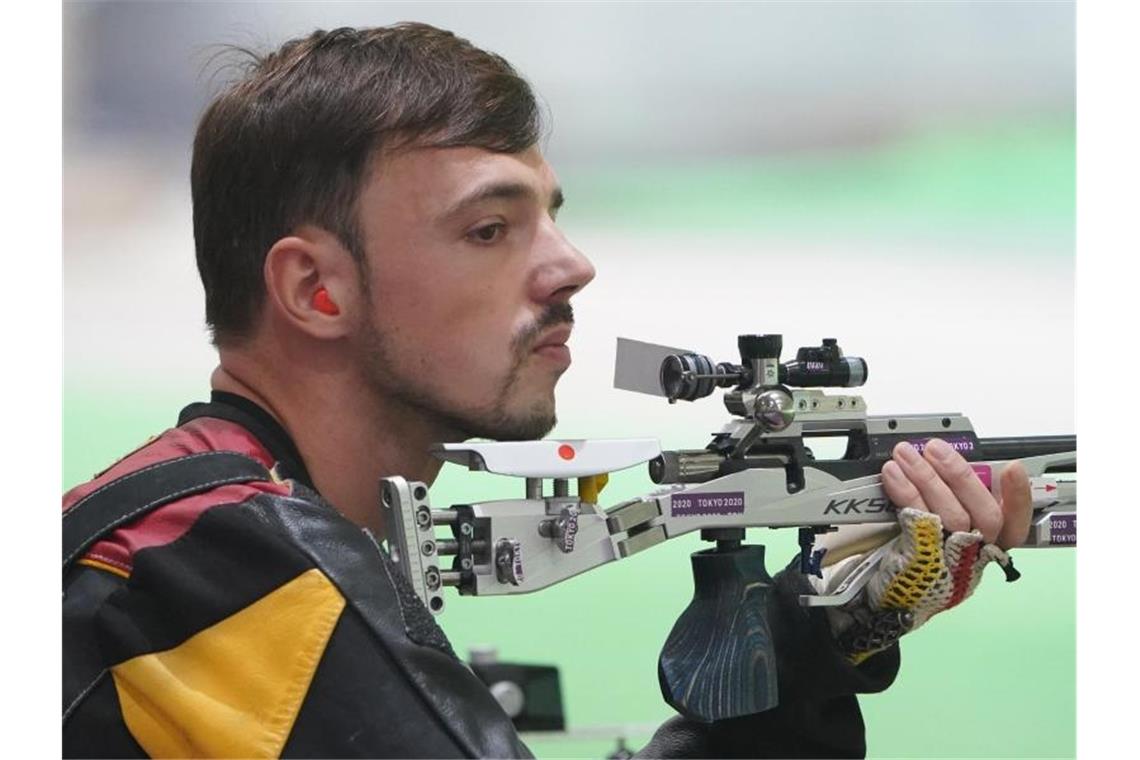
x,y
460,326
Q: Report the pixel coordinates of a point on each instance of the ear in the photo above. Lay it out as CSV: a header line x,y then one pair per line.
x,y
297,267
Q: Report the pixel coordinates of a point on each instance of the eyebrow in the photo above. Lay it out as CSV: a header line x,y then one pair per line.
x,y
501,191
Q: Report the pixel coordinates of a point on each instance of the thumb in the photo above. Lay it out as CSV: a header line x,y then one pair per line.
x,y
1016,506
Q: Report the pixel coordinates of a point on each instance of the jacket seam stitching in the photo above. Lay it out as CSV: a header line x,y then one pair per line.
x,y
83,694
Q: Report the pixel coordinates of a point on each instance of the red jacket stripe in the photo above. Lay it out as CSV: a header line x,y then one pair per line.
x,y
172,520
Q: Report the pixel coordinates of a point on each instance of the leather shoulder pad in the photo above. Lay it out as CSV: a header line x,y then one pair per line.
x,y
352,559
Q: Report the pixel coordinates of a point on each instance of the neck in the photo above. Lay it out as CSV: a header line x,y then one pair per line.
x,y
348,438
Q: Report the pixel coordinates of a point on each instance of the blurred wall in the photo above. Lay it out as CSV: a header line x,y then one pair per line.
x,y
896,175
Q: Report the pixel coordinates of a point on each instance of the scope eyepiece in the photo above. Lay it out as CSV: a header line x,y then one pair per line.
x,y
693,376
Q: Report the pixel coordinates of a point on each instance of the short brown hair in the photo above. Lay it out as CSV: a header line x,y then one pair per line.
x,y
290,142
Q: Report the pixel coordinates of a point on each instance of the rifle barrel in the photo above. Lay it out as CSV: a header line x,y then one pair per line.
x,y
1026,446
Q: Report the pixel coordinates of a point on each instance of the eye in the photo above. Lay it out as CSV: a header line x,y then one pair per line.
x,y
487,233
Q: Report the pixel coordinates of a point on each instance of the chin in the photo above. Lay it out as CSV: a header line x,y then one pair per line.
x,y
525,428
526,425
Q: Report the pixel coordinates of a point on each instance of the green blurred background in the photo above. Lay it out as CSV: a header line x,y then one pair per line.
x,y
899,176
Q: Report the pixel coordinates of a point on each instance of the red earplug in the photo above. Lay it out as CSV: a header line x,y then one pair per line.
x,y
324,304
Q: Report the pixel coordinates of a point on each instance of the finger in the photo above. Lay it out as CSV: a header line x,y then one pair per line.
x,y
971,493
899,490
1016,505
938,497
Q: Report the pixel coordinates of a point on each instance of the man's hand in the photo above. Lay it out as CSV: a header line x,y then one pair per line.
x,y
950,527
940,481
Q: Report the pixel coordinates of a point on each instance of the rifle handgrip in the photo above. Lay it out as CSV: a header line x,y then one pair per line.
x,y
719,660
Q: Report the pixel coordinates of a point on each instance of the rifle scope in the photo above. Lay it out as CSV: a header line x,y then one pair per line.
x,y
692,376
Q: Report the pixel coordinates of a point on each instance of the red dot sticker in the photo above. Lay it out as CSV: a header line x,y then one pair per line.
x,y
566,451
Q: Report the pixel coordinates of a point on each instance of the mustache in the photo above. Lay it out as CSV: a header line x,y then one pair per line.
x,y
555,314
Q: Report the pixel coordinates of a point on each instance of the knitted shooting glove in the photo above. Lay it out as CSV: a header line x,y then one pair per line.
x,y
924,570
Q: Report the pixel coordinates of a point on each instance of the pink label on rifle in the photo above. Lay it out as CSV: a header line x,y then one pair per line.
x,y
693,504
1063,529
985,474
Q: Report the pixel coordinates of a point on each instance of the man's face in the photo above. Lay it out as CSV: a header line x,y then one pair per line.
x,y
470,282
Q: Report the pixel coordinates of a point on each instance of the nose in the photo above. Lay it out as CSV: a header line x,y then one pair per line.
x,y
564,270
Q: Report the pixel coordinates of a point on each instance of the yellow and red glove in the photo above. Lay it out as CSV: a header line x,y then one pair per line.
x,y
925,570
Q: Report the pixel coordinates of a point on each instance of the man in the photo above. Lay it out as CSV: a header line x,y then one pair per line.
x,y
375,229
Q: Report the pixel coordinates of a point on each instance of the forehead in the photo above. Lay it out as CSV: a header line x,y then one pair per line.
x,y
431,180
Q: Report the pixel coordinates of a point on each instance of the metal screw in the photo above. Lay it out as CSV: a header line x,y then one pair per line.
x,y
465,563
428,547
423,518
466,529
431,578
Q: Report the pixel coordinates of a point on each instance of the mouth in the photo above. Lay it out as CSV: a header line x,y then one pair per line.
x,y
552,346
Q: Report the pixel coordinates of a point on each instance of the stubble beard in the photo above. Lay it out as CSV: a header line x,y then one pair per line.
x,y
496,421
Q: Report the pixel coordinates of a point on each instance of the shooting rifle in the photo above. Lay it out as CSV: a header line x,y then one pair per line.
x,y
759,471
